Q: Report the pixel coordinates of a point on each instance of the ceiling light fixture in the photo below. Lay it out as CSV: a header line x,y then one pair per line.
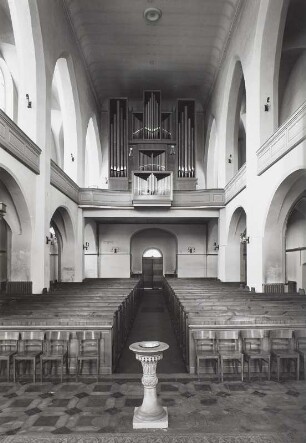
x,y
152,15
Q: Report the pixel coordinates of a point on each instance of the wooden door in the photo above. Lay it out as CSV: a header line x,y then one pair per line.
x,y
152,271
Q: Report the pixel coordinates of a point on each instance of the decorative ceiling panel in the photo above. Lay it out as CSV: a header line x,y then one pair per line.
x,y
180,54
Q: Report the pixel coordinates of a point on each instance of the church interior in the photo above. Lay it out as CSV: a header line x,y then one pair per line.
x,y
152,190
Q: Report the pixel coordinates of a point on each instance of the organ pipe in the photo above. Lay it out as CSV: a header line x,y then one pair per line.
x,y
186,135
118,137
152,116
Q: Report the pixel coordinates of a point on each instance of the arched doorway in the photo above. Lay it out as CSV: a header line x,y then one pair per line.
x,y
284,236
62,247
152,268
295,240
55,254
237,248
5,252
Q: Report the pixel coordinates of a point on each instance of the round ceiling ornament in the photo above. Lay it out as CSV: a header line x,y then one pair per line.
x,y
152,15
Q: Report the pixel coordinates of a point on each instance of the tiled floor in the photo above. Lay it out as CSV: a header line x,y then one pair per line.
x,y
194,406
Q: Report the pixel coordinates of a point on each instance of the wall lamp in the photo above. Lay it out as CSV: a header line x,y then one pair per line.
x,y
51,239
172,150
244,238
86,246
72,157
267,105
229,160
191,250
2,209
115,250
131,151
216,246
29,105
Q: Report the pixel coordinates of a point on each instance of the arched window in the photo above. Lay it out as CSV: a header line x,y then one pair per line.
x,y
2,91
152,252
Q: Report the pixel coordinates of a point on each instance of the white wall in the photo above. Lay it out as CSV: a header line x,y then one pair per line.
x,y
120,235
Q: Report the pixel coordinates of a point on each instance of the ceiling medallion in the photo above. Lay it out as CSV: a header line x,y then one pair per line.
x,y
152,15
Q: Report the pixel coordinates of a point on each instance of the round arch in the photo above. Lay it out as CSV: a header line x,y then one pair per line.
x,y
93,160
288,193
235,136
61,222
236,250
18,219
271,23
152,252
64,117
154,238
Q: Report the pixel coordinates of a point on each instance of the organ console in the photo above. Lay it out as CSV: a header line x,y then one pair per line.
x,y
152,150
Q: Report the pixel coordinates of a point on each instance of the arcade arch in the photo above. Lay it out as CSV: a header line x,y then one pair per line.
x,y
236,124
62,246
92,157
284,234
236,267
63,120
292,80
16,230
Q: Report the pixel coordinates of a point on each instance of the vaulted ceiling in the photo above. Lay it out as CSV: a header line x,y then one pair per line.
x,y
180,54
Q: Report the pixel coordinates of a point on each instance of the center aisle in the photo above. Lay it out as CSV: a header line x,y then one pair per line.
x,y
152,322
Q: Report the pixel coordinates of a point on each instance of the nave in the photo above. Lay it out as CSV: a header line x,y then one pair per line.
x,y
256,410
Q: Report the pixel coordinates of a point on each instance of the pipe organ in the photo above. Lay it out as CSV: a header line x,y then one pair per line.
x,y
152,149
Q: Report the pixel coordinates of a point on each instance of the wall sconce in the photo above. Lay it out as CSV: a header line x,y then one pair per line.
x,y
172,150
131,151
267,105
191,250
51,239
115,250
72,157
244,238
106,180
29,105
216,246
229,160
2,209
86,246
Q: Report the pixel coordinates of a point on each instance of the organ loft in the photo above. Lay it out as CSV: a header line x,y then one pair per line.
x,y
152,221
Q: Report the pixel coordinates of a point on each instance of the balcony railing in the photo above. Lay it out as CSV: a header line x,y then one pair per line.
x,y
18,144
287,137
236,184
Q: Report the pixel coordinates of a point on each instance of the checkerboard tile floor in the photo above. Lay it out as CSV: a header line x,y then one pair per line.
x,y
194,406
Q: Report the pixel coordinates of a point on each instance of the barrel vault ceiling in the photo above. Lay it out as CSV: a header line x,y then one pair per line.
x,y
180,54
